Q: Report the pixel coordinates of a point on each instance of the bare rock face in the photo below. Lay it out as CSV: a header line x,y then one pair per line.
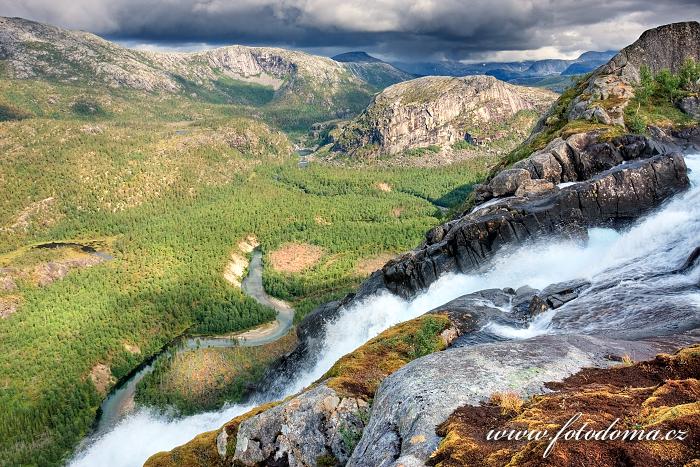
x,y
691,106
314,424
437,110
665,47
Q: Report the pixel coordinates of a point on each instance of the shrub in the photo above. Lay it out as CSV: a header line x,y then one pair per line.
x,y
462,145
11,113
87,108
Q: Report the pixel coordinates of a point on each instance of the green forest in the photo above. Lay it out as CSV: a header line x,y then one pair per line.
x,y
174,184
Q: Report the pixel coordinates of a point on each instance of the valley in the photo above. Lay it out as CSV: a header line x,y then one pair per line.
x,y
174,183
256,255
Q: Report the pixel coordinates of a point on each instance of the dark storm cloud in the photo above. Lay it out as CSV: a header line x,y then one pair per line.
x,y
471,30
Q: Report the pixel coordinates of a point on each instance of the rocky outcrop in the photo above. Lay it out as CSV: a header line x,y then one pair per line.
x,y
437,111
610,88
421,395
316,424
612,197
663,48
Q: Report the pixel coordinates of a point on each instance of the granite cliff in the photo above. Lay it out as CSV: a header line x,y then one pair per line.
x,y
440,111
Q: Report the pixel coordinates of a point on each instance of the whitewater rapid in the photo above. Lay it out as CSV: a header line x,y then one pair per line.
x,y
627,268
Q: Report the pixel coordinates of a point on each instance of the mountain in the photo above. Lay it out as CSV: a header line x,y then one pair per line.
x,y
438,111
513,71
547,67
587,62
372,70
427,390
235,74
356,57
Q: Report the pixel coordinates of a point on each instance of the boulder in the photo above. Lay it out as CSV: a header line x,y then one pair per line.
x,y
533,187
508,181
556,295
318,423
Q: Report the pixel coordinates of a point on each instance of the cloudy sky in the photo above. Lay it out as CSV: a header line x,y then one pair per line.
x,y
415,30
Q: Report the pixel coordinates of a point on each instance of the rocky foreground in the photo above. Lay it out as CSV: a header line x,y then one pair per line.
x,y
425,391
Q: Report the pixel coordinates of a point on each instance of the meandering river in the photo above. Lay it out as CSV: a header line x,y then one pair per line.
x,y
120,401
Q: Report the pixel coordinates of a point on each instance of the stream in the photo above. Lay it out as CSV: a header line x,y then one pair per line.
x,y
636,292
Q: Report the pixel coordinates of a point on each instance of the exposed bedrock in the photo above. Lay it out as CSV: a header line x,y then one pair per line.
x,y
418,397
612,197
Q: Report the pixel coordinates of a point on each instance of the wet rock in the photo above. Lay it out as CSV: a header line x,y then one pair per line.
x,y
470,312
508,181
610,198
690,262
436,234
537,306
313,424
521,301
418,397
556,295
314,323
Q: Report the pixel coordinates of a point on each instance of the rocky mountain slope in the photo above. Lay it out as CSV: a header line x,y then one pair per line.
x,y
30,50
376,72
411,396
438,111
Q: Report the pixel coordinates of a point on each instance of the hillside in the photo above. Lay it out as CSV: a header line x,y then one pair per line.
x,y
372,70
283,81
440,111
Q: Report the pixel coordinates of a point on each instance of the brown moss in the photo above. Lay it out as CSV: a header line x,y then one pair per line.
x,y
509,402
359,373
659,394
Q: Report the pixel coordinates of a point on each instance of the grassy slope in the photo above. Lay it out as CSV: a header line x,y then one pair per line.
x,y
176,183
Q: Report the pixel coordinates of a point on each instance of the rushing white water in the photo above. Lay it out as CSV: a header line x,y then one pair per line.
x,y
655,244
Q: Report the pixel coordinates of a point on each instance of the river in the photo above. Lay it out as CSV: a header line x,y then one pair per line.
x,y
633,274
120,401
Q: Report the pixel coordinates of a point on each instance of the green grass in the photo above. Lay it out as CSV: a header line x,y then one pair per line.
x,y
176,182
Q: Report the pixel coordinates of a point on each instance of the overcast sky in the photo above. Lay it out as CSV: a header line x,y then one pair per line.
x,y
416,30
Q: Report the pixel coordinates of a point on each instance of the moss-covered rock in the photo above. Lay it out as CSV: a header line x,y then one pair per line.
x,y
661,394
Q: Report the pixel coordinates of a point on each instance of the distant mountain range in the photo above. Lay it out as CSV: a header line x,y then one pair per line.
x,y
508,71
